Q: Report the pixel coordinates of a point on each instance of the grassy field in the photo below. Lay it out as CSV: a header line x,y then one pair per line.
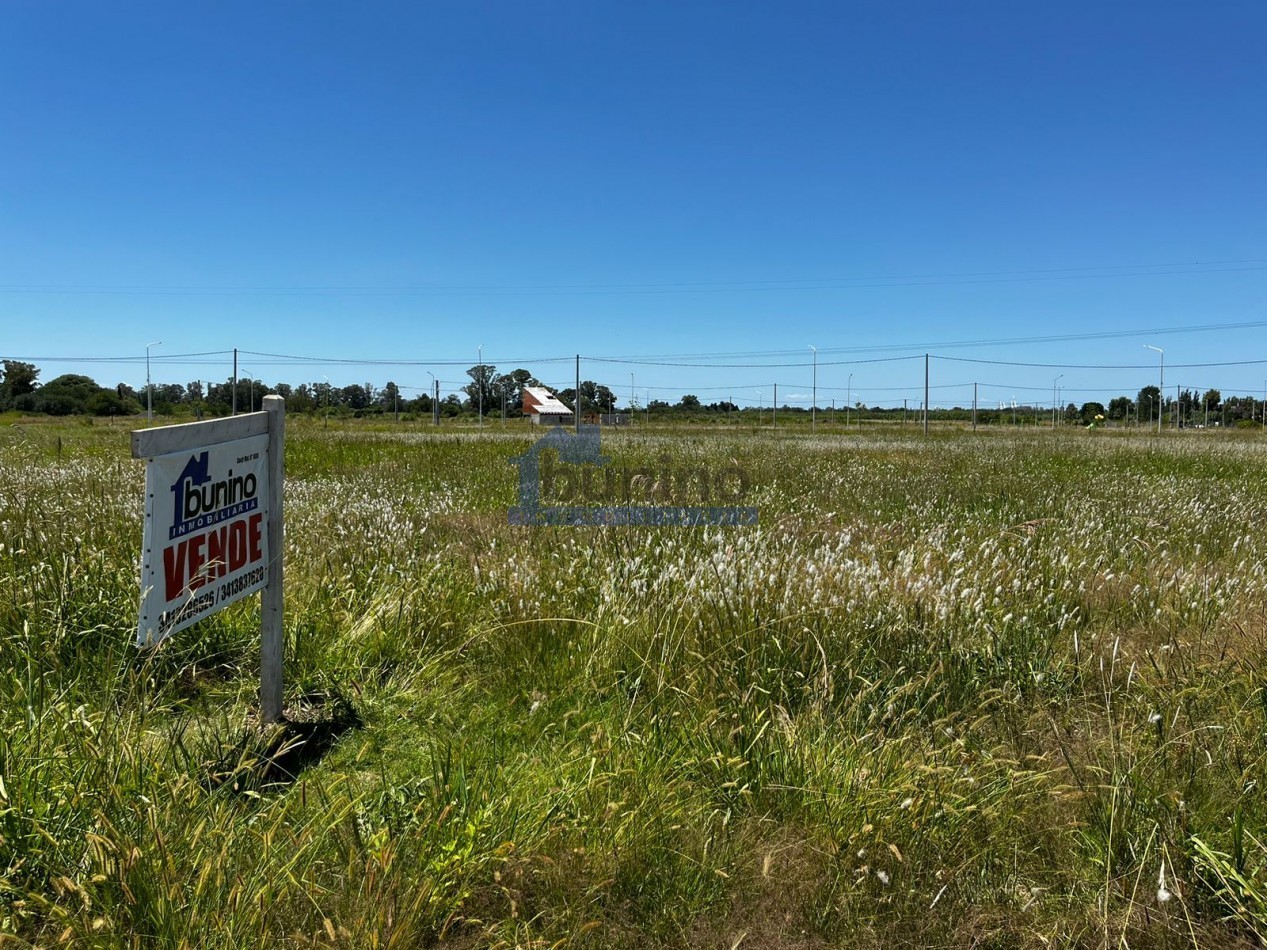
x,y
992,689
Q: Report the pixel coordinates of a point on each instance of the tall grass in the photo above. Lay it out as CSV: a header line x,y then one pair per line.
x,y
1000,689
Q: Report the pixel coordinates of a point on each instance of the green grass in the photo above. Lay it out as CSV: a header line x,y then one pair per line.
x,y
992,690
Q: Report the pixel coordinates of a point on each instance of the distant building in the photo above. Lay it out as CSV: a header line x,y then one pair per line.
x,y
541,406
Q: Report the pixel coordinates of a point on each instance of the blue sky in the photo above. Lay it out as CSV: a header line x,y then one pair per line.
x,y
409,181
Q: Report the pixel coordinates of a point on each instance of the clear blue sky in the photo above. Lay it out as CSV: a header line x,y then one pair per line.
x,y
409,181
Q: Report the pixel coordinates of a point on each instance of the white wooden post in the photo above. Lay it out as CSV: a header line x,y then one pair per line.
x,y
271,600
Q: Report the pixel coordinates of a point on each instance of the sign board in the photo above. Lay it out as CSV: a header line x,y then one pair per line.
x,y
213,529
206,537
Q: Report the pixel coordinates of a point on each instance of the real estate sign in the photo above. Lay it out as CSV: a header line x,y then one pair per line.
x,y
213,533
206,537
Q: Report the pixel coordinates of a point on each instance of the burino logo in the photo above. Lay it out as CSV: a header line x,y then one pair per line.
x,y
582,452
201,503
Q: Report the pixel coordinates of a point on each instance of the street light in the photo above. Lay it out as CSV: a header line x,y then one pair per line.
x,y
325,424
435,398
250,390
813,412
1161,380
149,387
1053,398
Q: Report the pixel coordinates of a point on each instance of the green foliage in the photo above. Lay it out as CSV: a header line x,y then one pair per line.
x,y
951,691
19,379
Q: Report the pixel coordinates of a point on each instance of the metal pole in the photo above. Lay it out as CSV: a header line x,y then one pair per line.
x,y
1161,381
774,415
235,382
848,399
925,394
1053,398
481,365
974,407
813,410
149,386
576,409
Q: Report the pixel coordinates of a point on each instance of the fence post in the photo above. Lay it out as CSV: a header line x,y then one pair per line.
x,y
271,601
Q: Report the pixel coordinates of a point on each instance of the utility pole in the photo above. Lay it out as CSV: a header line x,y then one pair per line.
x,y
774,414
481,365
235,382
813,411
848,399
925,394
1053,398
974,407
149,386
576,411
1161,381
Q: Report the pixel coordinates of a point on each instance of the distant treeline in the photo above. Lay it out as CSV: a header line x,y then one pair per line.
x,y
495,393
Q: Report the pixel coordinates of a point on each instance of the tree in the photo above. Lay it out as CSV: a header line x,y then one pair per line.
x,y
390,397
324,396
1088,412
481,390
357,396
1149,402
167,395
19,380
108,402
63,396
689,402
512,386
1120,407
1212,400
596,397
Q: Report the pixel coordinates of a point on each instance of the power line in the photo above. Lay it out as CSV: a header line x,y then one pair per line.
x,y
1114,366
